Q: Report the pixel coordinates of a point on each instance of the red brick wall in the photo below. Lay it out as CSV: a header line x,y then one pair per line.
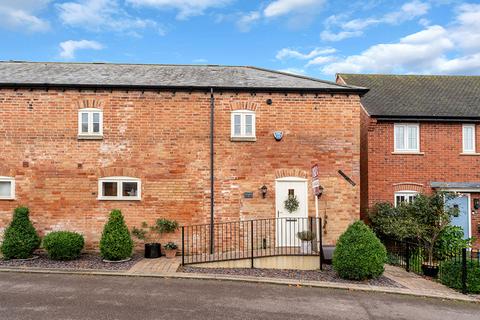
x,y
440,160
163,139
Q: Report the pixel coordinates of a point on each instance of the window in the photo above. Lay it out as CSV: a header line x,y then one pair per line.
x,y
90,123
404,196
243,125
119,188
7,188
407,137
468,134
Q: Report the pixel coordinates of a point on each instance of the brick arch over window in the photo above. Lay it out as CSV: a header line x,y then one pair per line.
x,y
409,186
90,103
244,105
282,173
118,172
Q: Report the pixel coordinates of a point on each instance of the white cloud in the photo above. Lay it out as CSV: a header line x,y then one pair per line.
x,y
320,60
98,15
245,22
287,53
283,7
69,48
354,28
296,71
450,49
186,8
22,15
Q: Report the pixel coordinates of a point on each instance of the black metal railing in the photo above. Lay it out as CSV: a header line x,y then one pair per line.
x,y
251,239
415,257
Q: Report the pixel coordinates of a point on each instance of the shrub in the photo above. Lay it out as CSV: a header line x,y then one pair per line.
x,y
171,246
359,254
116,243
451,274
63,245
21,238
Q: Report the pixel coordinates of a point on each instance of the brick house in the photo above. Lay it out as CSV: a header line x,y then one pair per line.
x,y
78,140
419,134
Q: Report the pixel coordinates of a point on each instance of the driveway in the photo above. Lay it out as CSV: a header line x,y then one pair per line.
x,y
48,296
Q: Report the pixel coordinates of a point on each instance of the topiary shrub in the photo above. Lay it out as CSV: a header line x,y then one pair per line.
x,y
451,274
116,243
359,254
20,238
63,245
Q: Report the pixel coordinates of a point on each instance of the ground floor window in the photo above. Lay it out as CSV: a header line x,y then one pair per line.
x,y
404,196
119,188
7,188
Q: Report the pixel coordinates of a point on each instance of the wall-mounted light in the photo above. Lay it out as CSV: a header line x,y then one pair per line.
x,y
264,190
476,204
320,191
269,102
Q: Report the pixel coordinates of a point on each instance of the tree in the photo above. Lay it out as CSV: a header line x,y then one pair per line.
x,y
21,238
116,243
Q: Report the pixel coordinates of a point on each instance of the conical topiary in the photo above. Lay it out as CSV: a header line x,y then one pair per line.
x,y
116,243
359,254
20,238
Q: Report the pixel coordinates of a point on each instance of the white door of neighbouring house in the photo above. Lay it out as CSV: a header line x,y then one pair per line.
x,y
289,224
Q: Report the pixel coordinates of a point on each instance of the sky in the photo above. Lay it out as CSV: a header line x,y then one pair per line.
x,y
318,38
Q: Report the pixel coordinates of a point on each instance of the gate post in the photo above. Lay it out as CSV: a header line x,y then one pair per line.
x,y
183,245
251,244
320,244
407,257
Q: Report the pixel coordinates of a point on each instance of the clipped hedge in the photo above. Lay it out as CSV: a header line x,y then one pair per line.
x,y
359,254
20,238
63,245
116,243
451,274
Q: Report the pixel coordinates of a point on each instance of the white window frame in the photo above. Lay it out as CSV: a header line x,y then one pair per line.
x,y
406,193
90,133
243,126
464,150
119,181
406,149
12,188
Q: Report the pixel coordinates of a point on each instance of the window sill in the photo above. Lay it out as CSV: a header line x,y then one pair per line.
x,y
247,139
7,199
119,199
89,137
470,154
408,153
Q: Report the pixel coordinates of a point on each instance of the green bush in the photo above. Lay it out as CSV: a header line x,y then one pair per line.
x,y
63,245
451,274
116,243
20,238
359,254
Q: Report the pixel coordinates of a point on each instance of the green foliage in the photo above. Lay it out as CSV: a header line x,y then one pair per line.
x,y
139,233
165,226
450,242
20,238
359,254
116,243
171,246
152,234
306,235
63,245
291,204
451,274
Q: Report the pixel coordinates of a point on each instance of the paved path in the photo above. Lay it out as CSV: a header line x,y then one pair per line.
x,y
160,265
49,296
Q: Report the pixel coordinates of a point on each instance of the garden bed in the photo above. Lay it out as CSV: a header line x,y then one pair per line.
x,y
327,274
86,261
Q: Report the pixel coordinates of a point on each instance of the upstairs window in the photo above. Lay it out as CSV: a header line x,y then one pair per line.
x,y
90,123
404,196
243,125
468,134
119,188
407,137
7,188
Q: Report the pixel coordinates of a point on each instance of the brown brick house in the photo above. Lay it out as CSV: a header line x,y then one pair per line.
x,y
419,134
78,140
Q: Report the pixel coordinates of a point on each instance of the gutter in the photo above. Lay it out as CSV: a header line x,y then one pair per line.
x,y
426,119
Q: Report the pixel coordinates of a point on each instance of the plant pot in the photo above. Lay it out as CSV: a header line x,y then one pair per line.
x,y
306,247
170,253
430,270
152,250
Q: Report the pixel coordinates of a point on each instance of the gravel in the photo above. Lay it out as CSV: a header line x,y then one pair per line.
x,y
86,261
327,274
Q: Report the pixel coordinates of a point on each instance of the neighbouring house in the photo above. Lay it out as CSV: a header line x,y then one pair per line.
x,y
80,139
420,134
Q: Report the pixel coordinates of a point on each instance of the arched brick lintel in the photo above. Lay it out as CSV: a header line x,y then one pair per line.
x,y
244,105
282,173
410,186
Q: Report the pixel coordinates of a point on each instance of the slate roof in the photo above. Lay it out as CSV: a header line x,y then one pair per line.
x,y
419,96
157,76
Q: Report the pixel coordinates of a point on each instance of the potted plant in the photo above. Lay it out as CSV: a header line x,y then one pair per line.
x,y
306,237
150,238
170,250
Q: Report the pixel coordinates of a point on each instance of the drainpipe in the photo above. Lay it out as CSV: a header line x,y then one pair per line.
x,y
212,176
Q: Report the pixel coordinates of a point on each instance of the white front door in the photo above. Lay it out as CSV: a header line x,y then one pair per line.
x,y
290,223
